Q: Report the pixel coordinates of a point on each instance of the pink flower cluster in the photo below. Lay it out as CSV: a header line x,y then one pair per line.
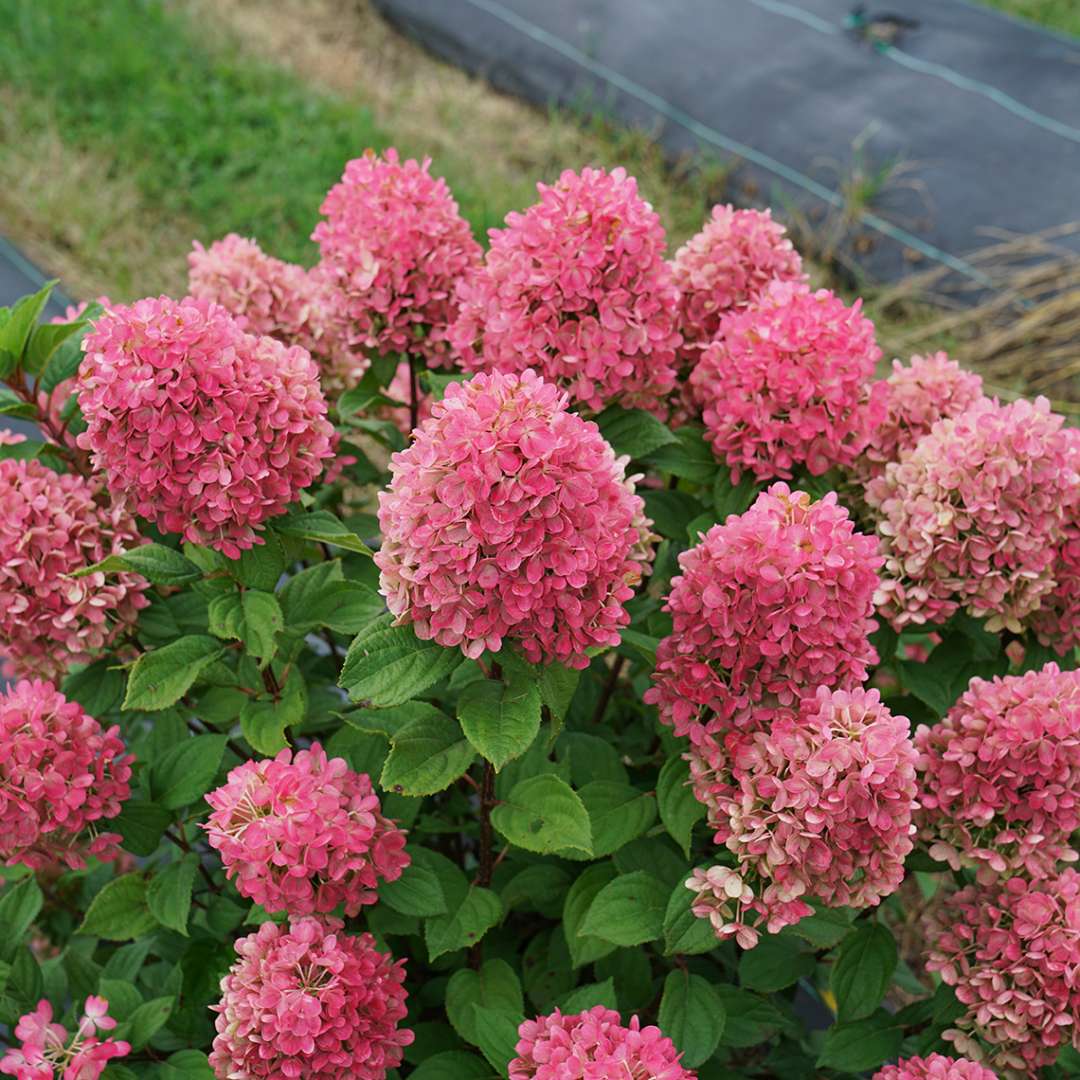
x,y
973,516
202,428
818,805
50,526
594,1045
304,833
787,382
916,398
935,1067
734,258
393,249
308,1002
281,300
509,517
61,775
577,288
1011,952
45,1052
769,606
1000,775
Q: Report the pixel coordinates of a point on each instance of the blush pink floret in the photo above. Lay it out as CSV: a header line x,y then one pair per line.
x,y
46,1051
594,1045
203,429
576,287
820,805
734,258
768,607
278,299
393,250
935,1067
50,526
1000,775
308,1002
972,517
787,383
62,776
510,519
1011,953
304,833
916,397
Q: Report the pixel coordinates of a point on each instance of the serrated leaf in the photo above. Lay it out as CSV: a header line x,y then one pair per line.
x,y
15,331
495,986
185,772
679,809
147,1020
691,1015
633,431
169,893
497,1035
862,971
539,887
582,998
141,824
426,756
671,511
98,688
416,892
388,665
499,718
321,527
584,948
688,456
862,1045
119,912
628,911
544,814
464,924
773,964
20,903
260,567
618,813
159,564
161,678
684,932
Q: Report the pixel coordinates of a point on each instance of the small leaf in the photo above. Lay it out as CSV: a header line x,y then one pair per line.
x,y
618,813
750,1019
731,498
862,1045
773,964
679,809
15,331
169,893
692,1015
260,567
464,924
862,971
684,932
690,456
416,892
544,814
262,623
160,565
426,756
500,719
497,1036
584,948
388,665
119,912
633,431
452,1065
148,1020
20,903
628,911
495,986
185,772
161,678
321,527
588,997
141,824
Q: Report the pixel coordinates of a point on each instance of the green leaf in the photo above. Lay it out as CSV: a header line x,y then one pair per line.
x,y
119,912
186,771
679,809
98,687
633,431
945,675
684,932
750,1019
141,824
731,498
426,756
544,814
416,892
186,1065
671,512
15,331
628,911
825,927
148,1019
64,362
13,405
308,597
557,686
20,903
690,456
862,1045
452,1065
618,813
161,678
585,948
45,341
500,719
539,887
773,964
588,997
692,1015
252,617
862,971
260,567
122,996
389,665
169,893
497,1036
264,721
321,527
159,564
464,924
494,986
355,606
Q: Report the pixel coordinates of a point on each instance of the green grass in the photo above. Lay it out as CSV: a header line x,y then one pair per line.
x,y
212,136
1057,14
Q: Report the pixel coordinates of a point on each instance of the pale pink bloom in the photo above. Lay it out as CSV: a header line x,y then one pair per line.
x,y
1000,775
61,777
309,1002
594,1045
577,289
303,833
509,517
972,517
46,1053
916,397
768,607
734,258
819,805
1011,953
278,299
203,429
393,249
50,526
787,383
935,1067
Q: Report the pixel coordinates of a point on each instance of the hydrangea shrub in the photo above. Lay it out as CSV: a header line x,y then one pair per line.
x,y
579,661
